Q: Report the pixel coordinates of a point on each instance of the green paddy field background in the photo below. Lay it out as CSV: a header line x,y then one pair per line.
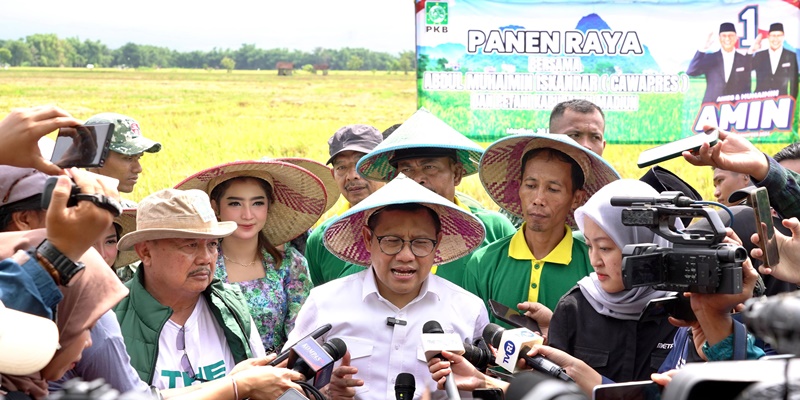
x,y
204,118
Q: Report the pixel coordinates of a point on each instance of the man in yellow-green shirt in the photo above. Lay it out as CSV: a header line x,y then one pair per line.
x,y
542,179
345,147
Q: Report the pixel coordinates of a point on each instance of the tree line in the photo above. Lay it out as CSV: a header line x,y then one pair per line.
x,y
48,50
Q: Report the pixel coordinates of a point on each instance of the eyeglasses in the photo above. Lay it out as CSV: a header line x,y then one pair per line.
x,y
391,245
186,366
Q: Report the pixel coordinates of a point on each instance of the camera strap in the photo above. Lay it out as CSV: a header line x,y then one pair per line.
x,y
739,341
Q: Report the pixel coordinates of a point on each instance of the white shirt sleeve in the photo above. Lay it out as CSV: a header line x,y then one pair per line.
x,y
256,346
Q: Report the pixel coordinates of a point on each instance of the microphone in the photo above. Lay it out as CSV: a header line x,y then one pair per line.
x,y
404,386
315,334
434,340
515,344
479,357
314,361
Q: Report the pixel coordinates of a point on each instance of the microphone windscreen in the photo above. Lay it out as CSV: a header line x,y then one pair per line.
x,y
492,334
432,327
405,380
336,348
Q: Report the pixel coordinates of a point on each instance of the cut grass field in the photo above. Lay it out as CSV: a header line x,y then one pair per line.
x,y
204,118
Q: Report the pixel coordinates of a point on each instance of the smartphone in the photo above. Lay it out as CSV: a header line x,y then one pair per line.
x,y
759,200
675,306
637,390
513,317
674,149
82,146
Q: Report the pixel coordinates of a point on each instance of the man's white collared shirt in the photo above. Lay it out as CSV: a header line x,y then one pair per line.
x,y
727,62
358,315
775,58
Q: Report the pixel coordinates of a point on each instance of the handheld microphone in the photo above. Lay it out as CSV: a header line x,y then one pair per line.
x,y
515,344
479,356
432,344
314,361
315,334
404,386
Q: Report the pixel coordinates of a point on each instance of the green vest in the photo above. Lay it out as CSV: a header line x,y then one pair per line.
x,y
142,318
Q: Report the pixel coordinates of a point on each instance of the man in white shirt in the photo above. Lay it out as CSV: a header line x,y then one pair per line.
x,y
399,233
180,325
776,67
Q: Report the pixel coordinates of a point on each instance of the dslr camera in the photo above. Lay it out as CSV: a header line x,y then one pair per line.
x,y
698,261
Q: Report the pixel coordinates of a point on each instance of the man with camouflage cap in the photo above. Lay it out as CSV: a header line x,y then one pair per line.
x,y
127,147
345,147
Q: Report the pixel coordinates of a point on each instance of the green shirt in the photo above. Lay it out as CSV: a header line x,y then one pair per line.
x,y
492,273
497,226
323,266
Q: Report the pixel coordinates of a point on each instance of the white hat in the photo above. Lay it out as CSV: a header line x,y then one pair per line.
x,y
27,342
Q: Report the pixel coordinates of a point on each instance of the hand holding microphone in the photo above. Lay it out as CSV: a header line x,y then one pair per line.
x,y
434,341
514,344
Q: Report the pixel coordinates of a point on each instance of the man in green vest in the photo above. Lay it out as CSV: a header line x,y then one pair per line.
x,y
181,325
541,179
345,147
435,155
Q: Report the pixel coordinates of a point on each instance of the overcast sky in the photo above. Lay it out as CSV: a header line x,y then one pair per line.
x,y
381,25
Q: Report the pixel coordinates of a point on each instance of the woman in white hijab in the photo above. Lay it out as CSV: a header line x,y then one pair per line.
x,y
597,321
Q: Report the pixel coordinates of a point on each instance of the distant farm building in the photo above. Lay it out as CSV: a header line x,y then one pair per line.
x,y
321,67
284,68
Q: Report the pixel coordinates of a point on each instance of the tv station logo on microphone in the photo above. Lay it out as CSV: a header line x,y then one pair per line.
x,y
508,350
436,16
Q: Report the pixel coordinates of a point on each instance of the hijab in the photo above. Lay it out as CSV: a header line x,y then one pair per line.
x,y
627,304
85,301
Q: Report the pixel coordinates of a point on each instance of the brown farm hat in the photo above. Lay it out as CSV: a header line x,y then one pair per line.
x,y
176,214
321,171
300,197
127,224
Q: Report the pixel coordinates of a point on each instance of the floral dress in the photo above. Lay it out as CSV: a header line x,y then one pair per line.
x,y
275,299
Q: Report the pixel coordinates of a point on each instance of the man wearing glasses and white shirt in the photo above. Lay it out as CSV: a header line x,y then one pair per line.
x,y
398,233
180,325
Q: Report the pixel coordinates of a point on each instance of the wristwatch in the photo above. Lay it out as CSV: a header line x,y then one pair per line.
x,y
62,269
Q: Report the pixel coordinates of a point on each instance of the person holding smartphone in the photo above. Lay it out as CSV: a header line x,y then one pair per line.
x,y
735,153
126,150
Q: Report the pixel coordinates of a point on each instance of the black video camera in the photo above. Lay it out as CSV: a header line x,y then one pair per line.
x,y
698,262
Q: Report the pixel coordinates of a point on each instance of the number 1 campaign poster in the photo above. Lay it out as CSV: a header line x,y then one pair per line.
x,y
659,70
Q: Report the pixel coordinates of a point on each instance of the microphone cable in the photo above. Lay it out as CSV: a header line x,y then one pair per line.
x,y
310,391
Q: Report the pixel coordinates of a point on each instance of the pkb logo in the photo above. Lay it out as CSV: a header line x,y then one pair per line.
x,y
436,13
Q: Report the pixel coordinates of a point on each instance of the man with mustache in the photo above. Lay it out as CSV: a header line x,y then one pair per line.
x,y
180,325
346,147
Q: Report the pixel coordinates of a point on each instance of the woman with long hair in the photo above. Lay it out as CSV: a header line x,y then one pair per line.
x,y
272,202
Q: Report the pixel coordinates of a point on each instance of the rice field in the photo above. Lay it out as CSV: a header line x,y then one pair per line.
x,y
204,118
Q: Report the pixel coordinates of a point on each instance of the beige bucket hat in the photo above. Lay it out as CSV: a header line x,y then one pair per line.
x,y
175,214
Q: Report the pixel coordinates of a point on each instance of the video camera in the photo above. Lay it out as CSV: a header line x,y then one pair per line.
x,y
698,262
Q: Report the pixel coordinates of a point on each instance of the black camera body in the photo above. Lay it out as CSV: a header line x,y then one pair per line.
x,y
698,262
47,193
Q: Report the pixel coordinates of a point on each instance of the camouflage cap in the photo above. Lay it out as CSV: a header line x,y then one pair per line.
x,y
127,139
